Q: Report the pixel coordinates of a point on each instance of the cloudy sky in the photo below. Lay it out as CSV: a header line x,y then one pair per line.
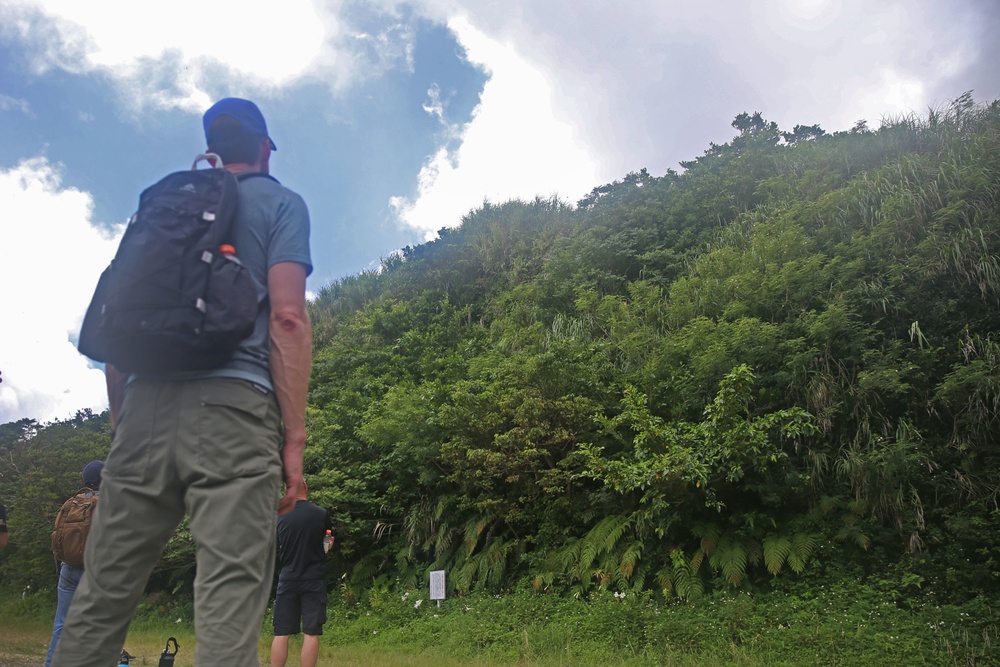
x,y
394,119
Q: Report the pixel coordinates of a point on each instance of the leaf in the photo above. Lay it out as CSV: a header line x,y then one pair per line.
x,y
776,550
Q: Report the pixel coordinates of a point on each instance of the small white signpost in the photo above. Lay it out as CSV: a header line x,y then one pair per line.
x,y
437,586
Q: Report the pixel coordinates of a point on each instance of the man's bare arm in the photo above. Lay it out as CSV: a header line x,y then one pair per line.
x,y
291,357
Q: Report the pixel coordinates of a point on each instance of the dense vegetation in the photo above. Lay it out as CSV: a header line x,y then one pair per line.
x,y
785,359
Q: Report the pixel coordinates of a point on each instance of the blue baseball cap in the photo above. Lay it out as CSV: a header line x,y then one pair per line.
x,y
244,111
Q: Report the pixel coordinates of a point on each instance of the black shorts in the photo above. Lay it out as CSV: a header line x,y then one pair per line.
x,y
300,602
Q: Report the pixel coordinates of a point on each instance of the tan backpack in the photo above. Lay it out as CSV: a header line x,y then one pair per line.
x,y
73,526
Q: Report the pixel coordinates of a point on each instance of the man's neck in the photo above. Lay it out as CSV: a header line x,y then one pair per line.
x,y
242,168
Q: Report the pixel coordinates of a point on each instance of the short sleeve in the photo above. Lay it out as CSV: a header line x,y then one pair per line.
x,y
289,240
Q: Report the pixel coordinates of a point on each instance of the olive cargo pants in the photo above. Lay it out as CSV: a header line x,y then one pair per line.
x,y
209,448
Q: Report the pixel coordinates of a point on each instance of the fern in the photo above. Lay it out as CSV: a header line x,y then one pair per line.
x,y
445,538
776,550
618,529
696,559
465,575
709,535
629,559
473,529
730,558
755,552
803,544
403,558
495,562
602,538
665,580
543,581
828,504
794,550
365,570
685,583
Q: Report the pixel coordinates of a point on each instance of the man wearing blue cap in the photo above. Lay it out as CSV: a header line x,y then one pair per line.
x,y
213,444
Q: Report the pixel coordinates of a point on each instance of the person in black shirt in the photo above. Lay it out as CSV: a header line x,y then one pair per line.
x,y
301,597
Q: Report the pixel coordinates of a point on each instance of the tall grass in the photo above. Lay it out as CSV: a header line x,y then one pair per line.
x,y
847,623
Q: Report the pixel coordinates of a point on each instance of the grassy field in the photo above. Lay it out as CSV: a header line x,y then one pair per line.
x,y
25,642
851,625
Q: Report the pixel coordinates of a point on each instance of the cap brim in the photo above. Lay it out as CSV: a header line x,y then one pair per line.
x,y
271,142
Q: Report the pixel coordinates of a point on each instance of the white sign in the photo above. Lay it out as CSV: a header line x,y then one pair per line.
x,y
437,585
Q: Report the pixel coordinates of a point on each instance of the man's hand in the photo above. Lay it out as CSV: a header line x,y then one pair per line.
x,y
291,471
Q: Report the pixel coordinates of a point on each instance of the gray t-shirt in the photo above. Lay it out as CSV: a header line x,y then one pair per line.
x,y
272,226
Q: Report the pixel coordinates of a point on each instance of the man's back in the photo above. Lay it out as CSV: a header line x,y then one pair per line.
x,y
300,542
269,230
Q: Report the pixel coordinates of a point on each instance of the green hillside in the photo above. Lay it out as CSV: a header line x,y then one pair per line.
x,y
783,359
778,364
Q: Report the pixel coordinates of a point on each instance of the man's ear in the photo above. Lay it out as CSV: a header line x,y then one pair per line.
x,y
264,157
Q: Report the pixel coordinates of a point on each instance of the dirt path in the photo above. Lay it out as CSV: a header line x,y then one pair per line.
x,y
8,659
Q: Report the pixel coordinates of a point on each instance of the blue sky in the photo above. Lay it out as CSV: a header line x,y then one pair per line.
x,y
394,119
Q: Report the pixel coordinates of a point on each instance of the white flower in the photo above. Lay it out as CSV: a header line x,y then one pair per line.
x,y
417,604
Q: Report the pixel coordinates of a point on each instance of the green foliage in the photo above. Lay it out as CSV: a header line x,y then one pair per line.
x,y
40,467
781,361
687,383
853,622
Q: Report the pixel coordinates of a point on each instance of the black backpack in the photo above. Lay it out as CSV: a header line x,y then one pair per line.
x,y
171,300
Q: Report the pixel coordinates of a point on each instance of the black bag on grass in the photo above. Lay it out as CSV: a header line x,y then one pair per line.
x,y
167,658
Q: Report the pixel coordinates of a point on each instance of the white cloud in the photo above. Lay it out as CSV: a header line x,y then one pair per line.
x,y
168,53
434,105
515,146
649,83
50,259
890,95
8,103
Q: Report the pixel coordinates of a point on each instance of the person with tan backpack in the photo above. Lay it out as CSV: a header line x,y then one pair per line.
x,y
68,541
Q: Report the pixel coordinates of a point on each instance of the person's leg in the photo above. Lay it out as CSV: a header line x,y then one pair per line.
x,y
313,617
287,621
69,578
279,650
310,650
232,472
139,508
